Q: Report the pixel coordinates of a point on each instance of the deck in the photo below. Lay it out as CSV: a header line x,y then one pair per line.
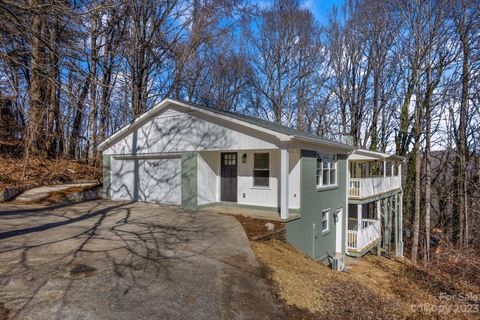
x,y
361,188
360,239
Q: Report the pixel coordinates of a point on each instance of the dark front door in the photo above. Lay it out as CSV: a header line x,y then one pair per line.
x,y
229,176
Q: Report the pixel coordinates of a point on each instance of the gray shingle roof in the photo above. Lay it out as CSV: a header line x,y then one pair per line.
x,y
267,124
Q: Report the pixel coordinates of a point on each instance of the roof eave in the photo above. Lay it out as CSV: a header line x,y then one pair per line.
x,y
331,144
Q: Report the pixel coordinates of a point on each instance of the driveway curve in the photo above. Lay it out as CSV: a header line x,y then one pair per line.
x,y
119,260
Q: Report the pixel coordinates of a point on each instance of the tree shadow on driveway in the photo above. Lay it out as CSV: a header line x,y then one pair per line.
x,y
121,260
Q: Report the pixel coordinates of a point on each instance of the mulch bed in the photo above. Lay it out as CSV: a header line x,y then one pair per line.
x,y
256,229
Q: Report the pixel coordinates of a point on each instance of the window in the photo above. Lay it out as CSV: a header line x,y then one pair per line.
x,y
230,159
325,219
261,169
326,170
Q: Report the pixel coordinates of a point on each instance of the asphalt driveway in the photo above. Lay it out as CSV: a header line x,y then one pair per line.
x,y
118,260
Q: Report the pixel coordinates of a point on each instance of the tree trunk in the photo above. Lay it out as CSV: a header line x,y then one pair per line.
x,y
92,119
460,234
36,112
77,122
428,170
418,162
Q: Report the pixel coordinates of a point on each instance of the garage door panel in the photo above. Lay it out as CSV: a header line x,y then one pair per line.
x,y
160,181
122,180
147,180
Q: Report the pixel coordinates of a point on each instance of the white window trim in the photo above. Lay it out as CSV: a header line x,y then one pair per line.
x,y
269,171
320,184
327,218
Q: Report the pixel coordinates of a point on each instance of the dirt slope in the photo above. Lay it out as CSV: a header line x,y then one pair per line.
x,y
41,171
372,288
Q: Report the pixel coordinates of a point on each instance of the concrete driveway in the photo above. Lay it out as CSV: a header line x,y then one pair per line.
x,y
118,260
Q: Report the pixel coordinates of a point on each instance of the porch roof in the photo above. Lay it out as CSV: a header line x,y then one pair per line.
x,y
370,155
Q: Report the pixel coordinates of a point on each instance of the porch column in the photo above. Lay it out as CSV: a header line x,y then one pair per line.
x,y
359,217
390,216
379,218
399,244
284,168
386,233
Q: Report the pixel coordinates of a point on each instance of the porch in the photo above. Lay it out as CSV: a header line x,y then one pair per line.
x,y
361,188
263,183
362,235
370,177
375,223
261,213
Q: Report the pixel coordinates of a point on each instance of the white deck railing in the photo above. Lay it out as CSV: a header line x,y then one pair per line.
x,y
357,240
360,188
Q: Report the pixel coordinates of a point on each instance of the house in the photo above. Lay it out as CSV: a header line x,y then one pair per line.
x,y
331,196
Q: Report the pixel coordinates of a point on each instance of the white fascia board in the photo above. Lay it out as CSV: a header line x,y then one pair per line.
x,y
339,146
375,155
132,125
163,155
170,102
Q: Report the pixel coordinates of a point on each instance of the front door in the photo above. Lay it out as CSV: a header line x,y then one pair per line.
x,y
229,176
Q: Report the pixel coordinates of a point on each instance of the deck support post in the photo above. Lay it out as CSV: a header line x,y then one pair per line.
x,y
390,215
284,168
386,233
379,218
399,244
359,218
395,227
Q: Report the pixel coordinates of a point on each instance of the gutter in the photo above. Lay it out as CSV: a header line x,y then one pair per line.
x,y
325,143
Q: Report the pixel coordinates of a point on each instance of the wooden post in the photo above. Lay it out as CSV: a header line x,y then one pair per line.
x,y
379,218
390,214
359,218
395,197
284,168
399,244
386,233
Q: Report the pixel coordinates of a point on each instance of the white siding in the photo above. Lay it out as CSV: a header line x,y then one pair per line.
x,y
258,196
209,179
208,166
175,131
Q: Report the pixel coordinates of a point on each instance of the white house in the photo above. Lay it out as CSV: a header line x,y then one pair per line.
x,y
189,155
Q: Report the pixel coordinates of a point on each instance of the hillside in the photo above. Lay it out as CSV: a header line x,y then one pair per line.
x,y
43,171
372,287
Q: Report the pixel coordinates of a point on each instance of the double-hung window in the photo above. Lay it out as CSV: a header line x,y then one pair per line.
x,y
326,170
261,170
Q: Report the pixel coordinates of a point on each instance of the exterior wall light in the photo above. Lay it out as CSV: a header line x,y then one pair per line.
x,y
244,158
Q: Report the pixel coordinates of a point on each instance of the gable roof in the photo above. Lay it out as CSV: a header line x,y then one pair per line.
x,y
283,133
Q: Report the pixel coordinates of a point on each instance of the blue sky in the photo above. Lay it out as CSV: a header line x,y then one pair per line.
x,y
319,8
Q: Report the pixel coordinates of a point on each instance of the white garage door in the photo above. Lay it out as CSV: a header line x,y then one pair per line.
x,y
147,180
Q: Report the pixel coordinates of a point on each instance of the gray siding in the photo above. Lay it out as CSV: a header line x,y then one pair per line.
x,y
301,232
189,180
